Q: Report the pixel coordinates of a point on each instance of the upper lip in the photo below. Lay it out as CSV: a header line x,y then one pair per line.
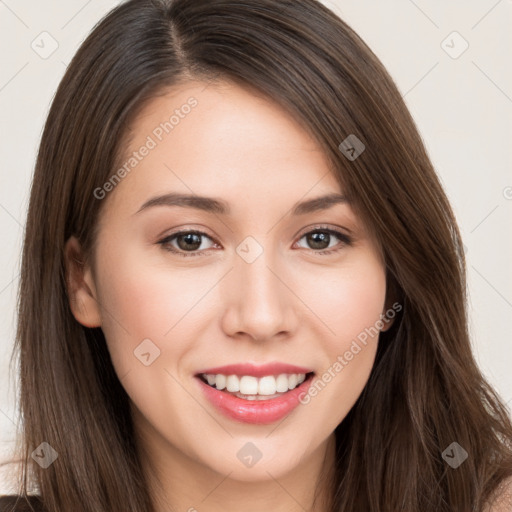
x,y
274,368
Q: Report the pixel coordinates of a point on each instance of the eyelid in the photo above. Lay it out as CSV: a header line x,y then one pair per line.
x,y
324,227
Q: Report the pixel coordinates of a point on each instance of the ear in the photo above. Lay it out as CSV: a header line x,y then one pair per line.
x,y
80,286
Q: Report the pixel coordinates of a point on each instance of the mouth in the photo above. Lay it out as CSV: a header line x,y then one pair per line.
x,y
254,399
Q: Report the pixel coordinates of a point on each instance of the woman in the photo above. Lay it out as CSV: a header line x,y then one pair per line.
x,y
242,283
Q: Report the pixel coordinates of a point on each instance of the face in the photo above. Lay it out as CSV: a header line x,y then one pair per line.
x,y
261,277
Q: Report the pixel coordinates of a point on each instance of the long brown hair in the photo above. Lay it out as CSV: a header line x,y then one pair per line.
x,y
425,390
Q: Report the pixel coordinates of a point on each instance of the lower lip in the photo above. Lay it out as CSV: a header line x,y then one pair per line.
x,y
260,412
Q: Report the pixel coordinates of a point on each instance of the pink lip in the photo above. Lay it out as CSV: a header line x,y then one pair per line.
x,y
256,371
260,412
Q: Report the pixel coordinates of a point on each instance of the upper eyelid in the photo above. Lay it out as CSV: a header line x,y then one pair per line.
x,y
322,227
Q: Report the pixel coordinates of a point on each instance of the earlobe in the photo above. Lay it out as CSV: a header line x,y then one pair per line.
x,y
387,319
388,322
80,286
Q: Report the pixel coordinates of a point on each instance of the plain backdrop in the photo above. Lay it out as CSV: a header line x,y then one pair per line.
x,y
451,62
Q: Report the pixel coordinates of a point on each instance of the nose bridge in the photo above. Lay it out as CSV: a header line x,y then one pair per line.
x,y
259,304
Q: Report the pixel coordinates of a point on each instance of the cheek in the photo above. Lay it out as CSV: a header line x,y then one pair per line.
x,y
350,304
152,310
348,300
141,301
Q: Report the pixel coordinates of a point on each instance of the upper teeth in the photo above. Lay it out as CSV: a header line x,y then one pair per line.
x,y
249,385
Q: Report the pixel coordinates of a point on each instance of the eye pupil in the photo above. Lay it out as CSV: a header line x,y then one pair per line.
x,y
319,237
190,238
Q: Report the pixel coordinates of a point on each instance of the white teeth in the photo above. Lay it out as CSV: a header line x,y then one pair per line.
x,y
232,383
250,385
282,383
266,386
220,381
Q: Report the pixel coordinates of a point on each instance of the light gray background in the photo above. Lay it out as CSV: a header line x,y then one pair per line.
x,y
462,106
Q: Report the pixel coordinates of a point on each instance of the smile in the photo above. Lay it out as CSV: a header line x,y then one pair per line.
x,y
263,398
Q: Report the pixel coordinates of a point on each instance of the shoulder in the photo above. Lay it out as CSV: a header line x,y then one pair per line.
x,y
14,503
502,498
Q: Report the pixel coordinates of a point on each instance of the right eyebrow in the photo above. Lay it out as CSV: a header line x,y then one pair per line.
x,y
208,204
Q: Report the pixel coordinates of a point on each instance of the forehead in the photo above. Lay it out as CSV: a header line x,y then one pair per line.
x,y
221,140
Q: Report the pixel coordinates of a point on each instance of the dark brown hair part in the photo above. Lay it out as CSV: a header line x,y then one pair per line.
x,y
425,390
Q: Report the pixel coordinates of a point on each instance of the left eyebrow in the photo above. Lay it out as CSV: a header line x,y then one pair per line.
x,y
319,203
214,205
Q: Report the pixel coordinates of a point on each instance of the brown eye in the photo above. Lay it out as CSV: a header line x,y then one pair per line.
x,y
189,241
183,242
321,239
318,239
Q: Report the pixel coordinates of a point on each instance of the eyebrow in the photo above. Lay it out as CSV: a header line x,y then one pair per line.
x,y
218,206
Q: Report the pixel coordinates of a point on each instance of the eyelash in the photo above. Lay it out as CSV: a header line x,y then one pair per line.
x,y
317,229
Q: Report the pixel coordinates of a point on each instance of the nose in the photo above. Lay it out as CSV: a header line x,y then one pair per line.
x,y
259,302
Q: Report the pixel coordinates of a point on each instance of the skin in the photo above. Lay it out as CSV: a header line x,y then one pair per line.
x,y
291,304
